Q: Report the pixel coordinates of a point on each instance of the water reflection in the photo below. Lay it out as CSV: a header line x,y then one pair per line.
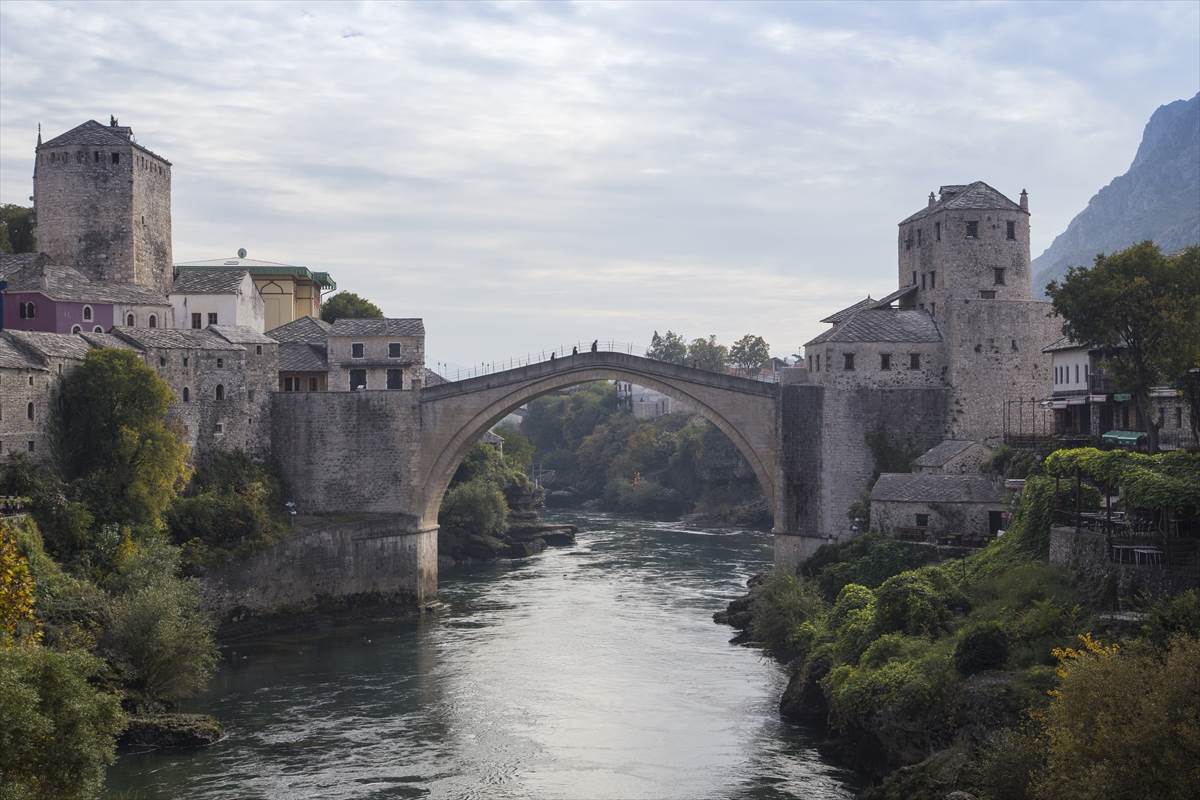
x,y
588,672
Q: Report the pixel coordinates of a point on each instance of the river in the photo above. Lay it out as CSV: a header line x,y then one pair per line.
x,y
591,671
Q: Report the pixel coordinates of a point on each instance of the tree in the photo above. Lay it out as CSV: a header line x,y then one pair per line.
x,y
669,347
518,450
1124,724
351,306
16,589
1142,309
749,353
114,440
57,731
16,229
707,354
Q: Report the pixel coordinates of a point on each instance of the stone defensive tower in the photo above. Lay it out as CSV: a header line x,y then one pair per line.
x,y
103,205
970,243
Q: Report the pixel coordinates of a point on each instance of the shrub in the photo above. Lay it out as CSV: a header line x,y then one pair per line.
x,y
783,604
911,603
1008,762
983,646
475,507
1171,616
851,623
868,560
57,732
160,640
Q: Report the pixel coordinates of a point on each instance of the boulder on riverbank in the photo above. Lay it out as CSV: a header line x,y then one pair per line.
x,y
159,731
523,539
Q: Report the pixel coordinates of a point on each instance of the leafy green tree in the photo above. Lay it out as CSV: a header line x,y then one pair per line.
x,y
749,353
57,730
350,306
16,229
669,347
518,450
707,354
1143,309
477,506
114,439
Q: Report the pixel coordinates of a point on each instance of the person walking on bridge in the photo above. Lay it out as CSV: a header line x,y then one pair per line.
x,y
575,350
595,345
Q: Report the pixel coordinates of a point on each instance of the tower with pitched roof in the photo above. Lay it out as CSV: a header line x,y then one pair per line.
x,y
103,205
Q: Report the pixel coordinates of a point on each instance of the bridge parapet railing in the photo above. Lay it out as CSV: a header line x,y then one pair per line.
x,y
566,351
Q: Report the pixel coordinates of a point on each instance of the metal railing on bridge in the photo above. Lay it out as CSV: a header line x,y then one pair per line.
x,y
564,351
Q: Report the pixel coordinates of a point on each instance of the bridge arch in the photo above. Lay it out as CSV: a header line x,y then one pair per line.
x,y
455,415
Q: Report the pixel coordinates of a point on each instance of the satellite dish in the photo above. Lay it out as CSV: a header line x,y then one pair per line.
x,y
241,252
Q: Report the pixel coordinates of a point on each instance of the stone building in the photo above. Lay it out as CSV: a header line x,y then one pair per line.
x,y
289,291
303,349
957,509
369,354
59,299
37,360
201,297
222,381
103,205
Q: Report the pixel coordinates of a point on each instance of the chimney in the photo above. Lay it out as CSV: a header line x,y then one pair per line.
x,y
1024,200
932,202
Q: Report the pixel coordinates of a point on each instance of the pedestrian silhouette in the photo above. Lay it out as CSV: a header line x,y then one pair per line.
x,y
575,351
552,355
595,344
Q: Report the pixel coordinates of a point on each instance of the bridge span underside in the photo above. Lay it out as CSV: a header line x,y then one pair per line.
x,y
391,454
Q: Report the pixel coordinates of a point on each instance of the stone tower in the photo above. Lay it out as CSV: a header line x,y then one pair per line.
x,y
970,243
103,205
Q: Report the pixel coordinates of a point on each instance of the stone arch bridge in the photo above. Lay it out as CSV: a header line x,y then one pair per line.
x,y
368,470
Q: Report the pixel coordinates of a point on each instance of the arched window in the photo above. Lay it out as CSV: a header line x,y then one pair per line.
x,y
154,320
129,320
87,313
75,329
220,391
29,410
97,329
186,395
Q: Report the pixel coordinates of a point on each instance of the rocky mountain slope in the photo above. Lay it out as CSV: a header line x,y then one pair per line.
x,y
1157,199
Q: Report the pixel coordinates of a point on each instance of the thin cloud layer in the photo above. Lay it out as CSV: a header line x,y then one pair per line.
x,y
529,175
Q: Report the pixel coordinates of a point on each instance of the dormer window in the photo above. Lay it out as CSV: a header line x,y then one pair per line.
x,y
972,230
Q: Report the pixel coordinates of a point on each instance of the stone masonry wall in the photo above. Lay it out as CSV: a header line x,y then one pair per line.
x,y
328,561
868,371
19,388
198,372
375,360
151,218
349,451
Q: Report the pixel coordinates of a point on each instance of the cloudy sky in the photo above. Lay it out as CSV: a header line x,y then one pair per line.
x,y
528,174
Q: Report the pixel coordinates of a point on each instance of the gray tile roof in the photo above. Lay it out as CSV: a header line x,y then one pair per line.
x,y
883,325
208,281
51,345
972,195
939,454
14,357
93,134
903,291
175,339
12,263
838,316
302,357
378,327
904,487
240,334
71,285
304,329
433,379
108,340
1064,343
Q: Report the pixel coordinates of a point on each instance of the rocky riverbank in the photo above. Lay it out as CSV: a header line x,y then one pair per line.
x,y
164,731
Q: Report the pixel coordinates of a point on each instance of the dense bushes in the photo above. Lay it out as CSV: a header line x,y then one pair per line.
x,y
477,506
984,646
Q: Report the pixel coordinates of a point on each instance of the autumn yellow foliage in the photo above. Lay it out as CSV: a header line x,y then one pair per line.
x,y
17,620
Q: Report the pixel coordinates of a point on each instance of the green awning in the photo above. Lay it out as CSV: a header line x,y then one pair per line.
x,y
1123,437
1122,397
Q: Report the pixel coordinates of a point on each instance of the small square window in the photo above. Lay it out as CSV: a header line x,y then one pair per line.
x,y
395,379
162,361
250,395
185,361
972,230
885,361
914,360
312,384
998,274
220,362
357,350
116,158
358,379
289,384
220,429
922,520
212,318
848,361
1010,231
987,294
30,445
197,321
258,349
395,350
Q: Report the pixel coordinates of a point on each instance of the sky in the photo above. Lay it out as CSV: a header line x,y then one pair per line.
x,y
527,175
